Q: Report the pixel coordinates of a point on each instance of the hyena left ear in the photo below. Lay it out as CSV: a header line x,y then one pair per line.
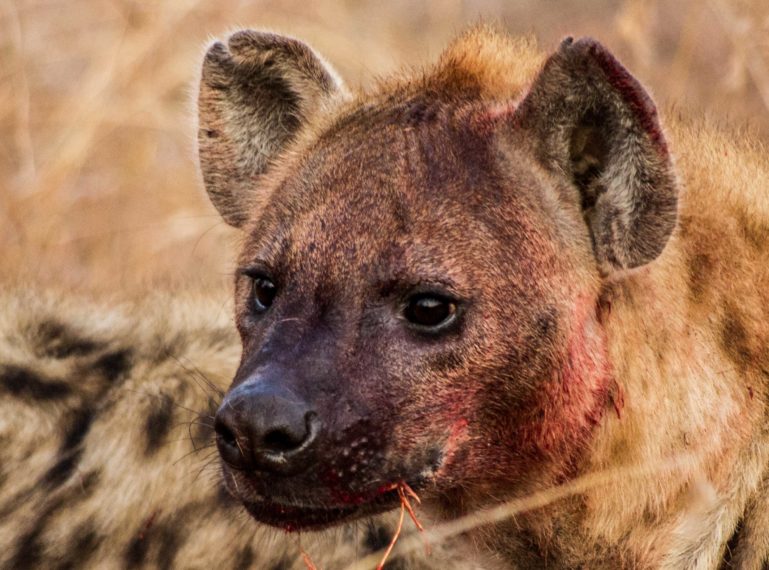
x,y
591,121
257,91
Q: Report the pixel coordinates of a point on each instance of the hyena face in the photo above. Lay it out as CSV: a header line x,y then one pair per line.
x,y
417,289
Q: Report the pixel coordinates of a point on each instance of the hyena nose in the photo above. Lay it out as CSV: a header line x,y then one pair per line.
x,y
265,431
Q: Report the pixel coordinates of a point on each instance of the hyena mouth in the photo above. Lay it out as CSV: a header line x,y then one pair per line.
x,y
295,518
322,498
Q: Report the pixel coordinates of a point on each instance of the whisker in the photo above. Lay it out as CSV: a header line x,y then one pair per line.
x,y
196,372
193,452
165,397
206,465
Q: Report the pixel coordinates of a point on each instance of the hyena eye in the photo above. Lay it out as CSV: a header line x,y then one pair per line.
x,y
430,311
262,293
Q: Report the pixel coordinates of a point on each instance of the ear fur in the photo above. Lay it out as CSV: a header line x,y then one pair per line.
x,y
592,122
256,93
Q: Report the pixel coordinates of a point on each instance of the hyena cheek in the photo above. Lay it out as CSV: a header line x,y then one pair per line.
x,y
573,401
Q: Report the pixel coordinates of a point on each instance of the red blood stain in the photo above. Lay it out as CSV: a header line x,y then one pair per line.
x,y
148,524
574,400
458,431
339,493
631,91
347,498
382,489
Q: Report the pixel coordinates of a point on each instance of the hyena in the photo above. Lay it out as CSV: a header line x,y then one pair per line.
x,y
481,280
485,280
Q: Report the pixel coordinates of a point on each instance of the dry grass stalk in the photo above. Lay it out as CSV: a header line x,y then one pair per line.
x,y
395,538
405,492
501,512
307,560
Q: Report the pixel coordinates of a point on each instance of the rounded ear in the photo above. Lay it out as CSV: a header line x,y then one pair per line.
x,y
256,93
592,122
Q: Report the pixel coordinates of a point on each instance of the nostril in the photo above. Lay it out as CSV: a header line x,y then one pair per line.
x,y
226,435
291,438
227,443
280,441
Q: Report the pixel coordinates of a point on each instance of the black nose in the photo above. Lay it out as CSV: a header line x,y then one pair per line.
x,y
266,430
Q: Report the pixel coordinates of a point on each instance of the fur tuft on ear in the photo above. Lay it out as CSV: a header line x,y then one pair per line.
x,y
593,122
256,93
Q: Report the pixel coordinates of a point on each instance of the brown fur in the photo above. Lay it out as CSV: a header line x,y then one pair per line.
x,y
614,312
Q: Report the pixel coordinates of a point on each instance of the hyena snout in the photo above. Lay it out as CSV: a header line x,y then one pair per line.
x,y
266,429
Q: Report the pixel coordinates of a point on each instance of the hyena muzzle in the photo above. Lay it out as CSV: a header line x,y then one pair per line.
x,y
483,281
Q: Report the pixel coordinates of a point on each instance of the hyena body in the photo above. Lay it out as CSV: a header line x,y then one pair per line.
x,y
483,281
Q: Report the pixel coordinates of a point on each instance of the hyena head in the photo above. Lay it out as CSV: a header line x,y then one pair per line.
x,y
418,285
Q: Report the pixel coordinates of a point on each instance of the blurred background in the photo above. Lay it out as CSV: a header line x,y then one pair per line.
x,y
98,185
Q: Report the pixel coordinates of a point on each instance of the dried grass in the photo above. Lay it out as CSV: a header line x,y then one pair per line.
x,y
405,494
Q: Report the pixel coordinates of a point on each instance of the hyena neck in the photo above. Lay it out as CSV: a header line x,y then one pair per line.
x,y
686,339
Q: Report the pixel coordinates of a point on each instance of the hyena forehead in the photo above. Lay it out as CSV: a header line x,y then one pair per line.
x,y
415,178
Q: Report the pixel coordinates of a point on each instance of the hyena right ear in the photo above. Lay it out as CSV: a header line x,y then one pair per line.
x,y
256,93
591,121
